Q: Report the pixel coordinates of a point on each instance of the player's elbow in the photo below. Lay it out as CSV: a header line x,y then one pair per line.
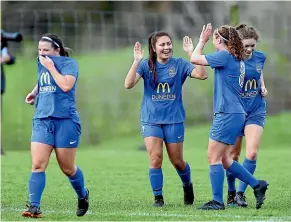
x,y
128,85
66,88
204,76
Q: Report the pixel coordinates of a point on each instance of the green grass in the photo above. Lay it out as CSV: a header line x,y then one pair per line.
x,y
116,173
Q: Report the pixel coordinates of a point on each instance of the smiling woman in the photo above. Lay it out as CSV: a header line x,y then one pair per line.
x,y
162,110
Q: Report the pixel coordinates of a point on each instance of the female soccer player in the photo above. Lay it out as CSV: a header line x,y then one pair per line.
x,y
255,106
56,123
229,114
162,111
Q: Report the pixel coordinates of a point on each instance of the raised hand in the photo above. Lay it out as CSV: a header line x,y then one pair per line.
x,y
187,44
206,32
138,52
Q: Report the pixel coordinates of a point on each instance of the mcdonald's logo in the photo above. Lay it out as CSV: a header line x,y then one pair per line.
x,y
163,85
251,83
45,78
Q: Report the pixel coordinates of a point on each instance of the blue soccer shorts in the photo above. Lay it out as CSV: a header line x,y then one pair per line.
x,y
226,127
60,133
170,133
256,117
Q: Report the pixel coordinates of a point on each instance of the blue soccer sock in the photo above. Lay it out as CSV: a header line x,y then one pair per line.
x,y
185,175
241,173
216,175
77,182
156,180
230,182
36,185
249,165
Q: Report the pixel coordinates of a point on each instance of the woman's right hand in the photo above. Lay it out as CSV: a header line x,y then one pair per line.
x,y
30,98
206,33
138,52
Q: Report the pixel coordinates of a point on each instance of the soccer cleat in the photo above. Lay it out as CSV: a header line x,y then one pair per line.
x,y
241,199
260,192
159,201
213,205
231,201
83,205
188,194
32,211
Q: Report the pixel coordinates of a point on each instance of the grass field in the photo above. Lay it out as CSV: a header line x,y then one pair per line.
x,y
116,173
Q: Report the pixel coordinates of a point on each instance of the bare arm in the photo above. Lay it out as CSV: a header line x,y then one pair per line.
x,y
132,77
199,72
264,91
262,80
65,82
35,90
197,57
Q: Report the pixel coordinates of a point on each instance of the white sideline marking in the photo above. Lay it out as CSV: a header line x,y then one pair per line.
x,y
149,214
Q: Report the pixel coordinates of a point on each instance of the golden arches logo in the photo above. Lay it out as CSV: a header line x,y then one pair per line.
x,y
251,83
45,78
163,85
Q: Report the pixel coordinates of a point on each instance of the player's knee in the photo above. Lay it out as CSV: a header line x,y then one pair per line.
x,y
178,164
156,162
39,166
212,158
69,171
252,155
235,155
227,162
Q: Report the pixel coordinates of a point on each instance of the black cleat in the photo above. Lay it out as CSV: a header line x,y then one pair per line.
x,y
159,201
231,201
260,192
241,199
83,205
188,194
32,211
213,205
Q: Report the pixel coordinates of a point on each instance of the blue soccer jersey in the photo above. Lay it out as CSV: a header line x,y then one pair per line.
x,y
228,81
162,102
52,101
251,91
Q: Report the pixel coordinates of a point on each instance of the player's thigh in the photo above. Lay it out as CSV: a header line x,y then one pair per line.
x,y
235,150
43,131
40,154
66,160
154,146
67,133
253,135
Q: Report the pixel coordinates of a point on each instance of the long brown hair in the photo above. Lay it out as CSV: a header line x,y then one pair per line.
x,y
152,40
231,38
56,42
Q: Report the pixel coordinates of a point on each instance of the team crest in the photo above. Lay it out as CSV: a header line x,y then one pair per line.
x,y
258,68
172,71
